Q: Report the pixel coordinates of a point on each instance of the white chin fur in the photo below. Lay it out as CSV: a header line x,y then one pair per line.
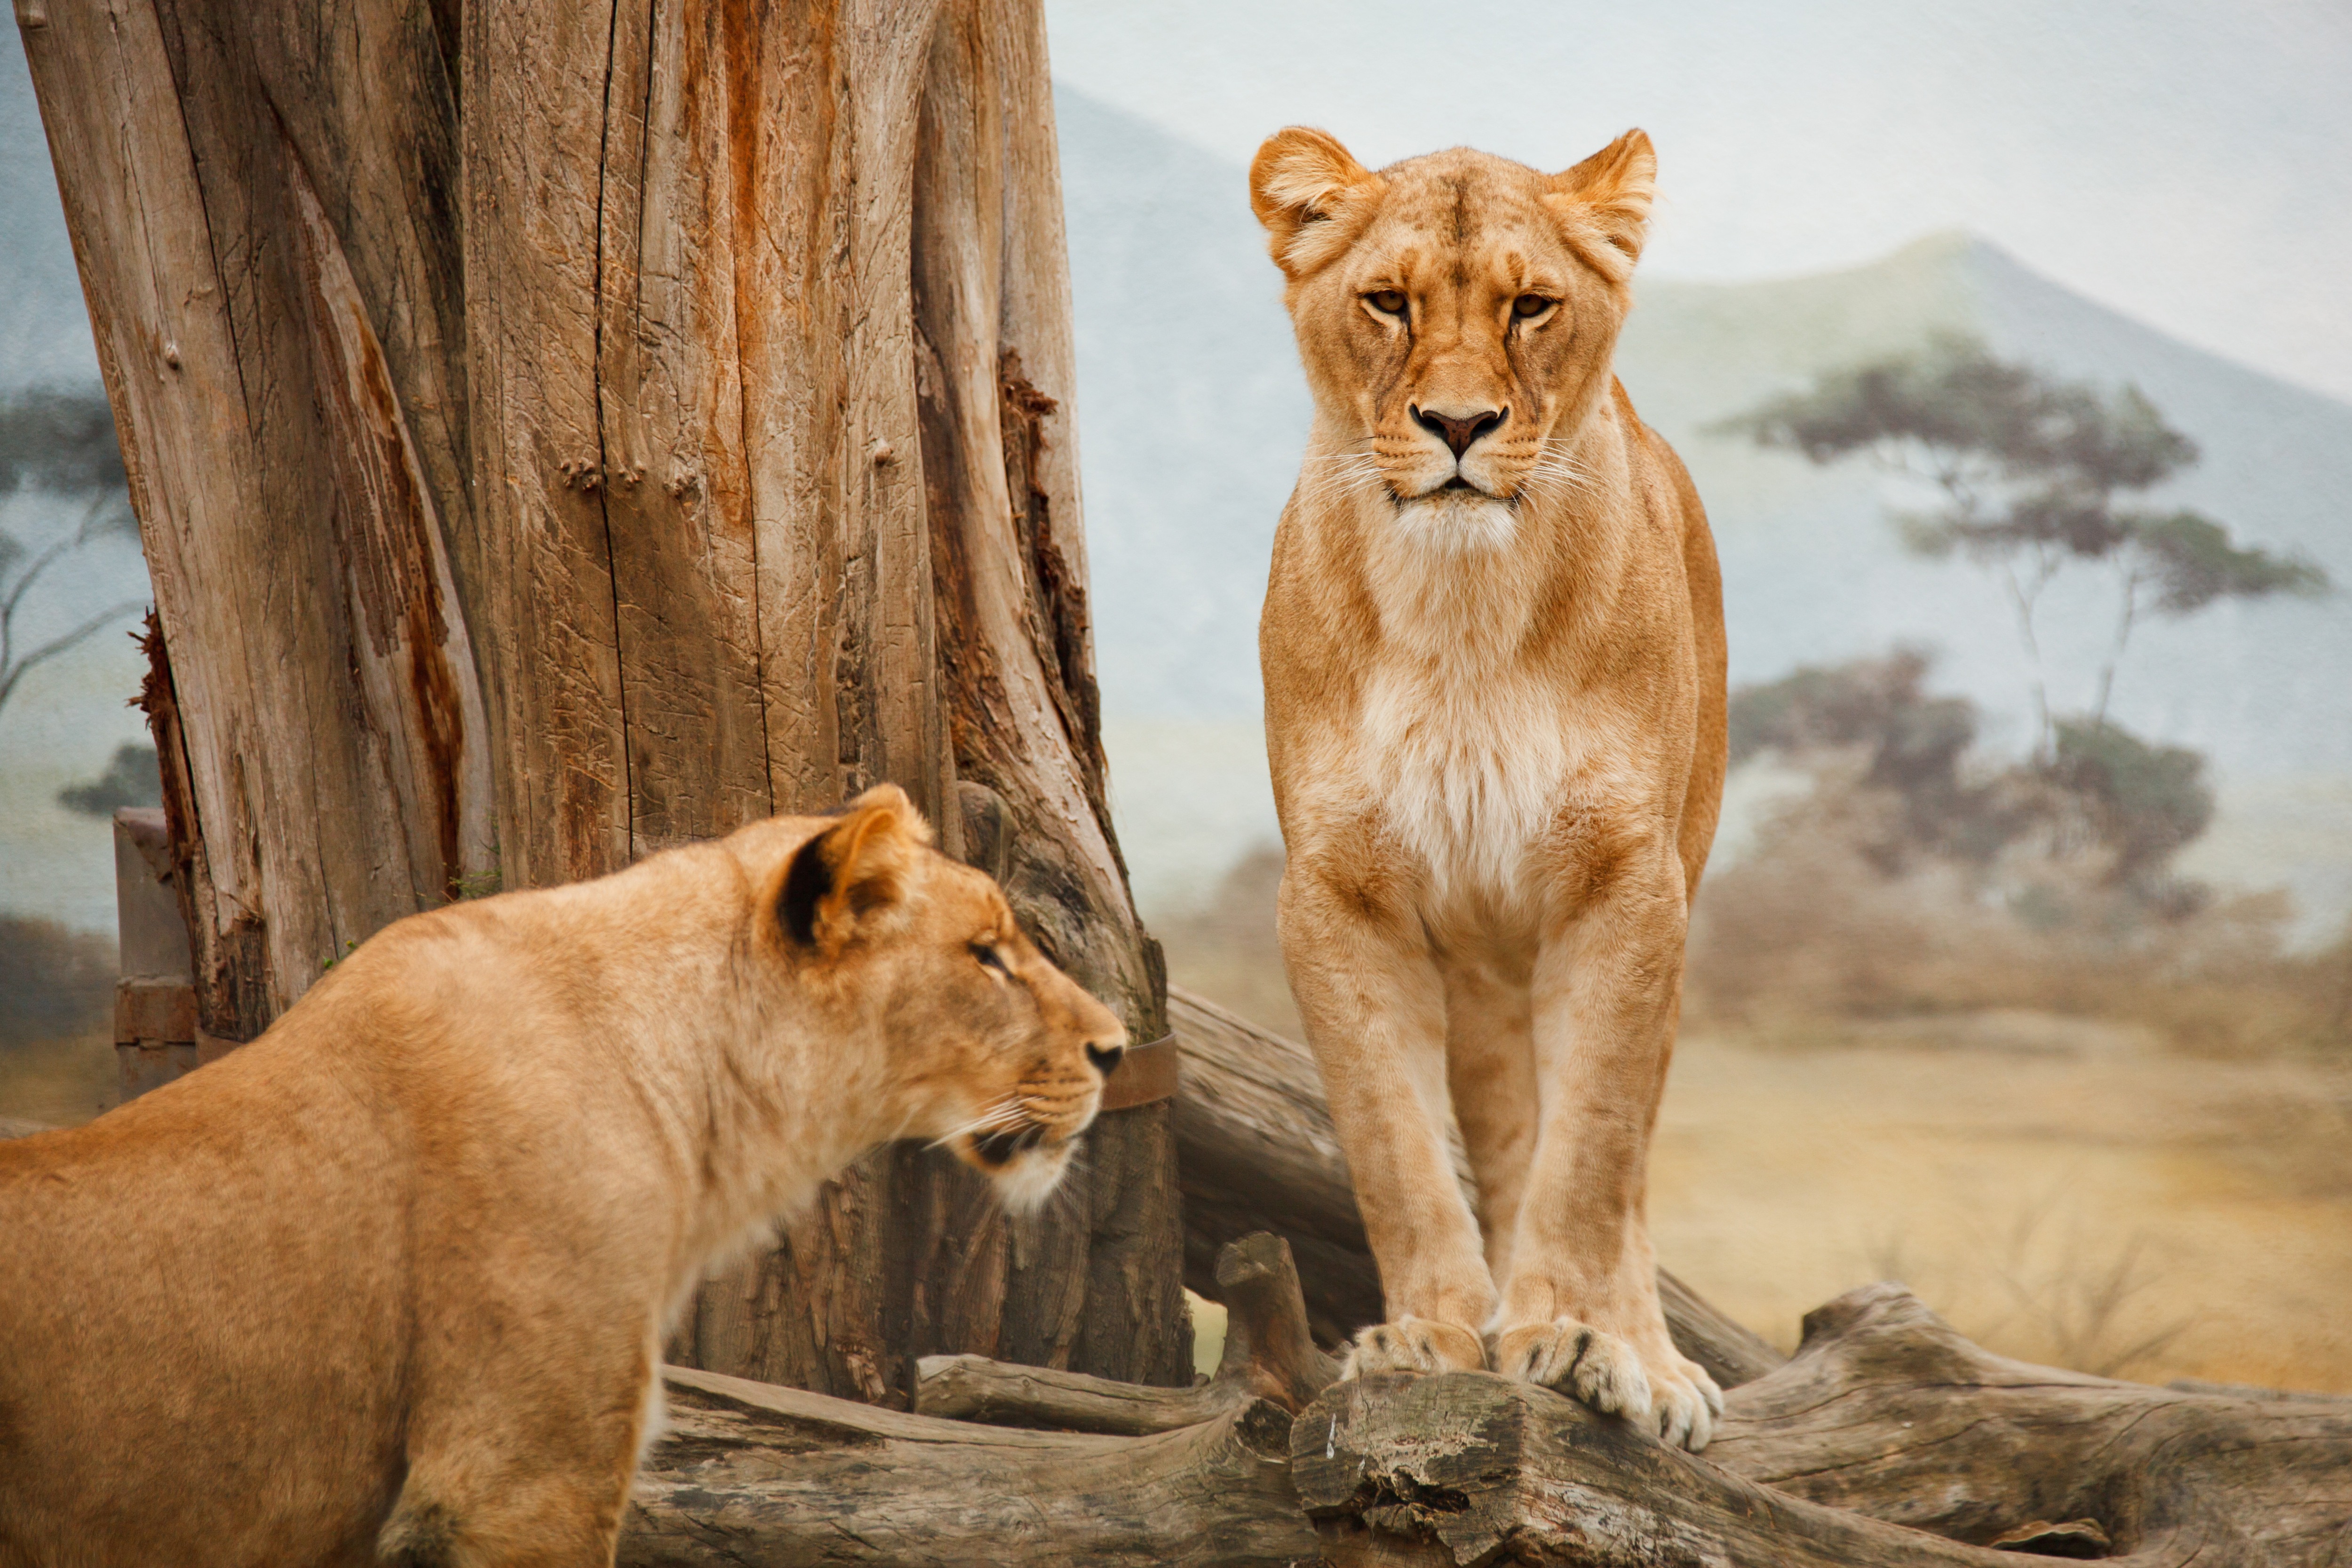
x,y
1458,521
1030,1179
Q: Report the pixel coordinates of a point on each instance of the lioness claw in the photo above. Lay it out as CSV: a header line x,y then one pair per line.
x,y
1678,1403
1412,1344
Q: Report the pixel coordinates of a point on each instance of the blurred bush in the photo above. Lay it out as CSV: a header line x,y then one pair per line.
x,y
1914,878
53,982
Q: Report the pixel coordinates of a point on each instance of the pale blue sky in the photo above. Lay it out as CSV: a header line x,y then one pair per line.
x,y
2188,162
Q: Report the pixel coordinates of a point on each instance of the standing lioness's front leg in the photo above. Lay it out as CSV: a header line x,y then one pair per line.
x,y
1580,1311
1375,1011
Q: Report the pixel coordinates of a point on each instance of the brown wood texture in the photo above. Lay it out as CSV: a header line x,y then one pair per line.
x,y
1887,1439
336,761
1269,1355
1257,1152
564,431
751,1474
1886,1411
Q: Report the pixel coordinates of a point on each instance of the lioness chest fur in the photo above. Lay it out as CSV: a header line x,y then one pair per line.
x,y
1493,660
391,1283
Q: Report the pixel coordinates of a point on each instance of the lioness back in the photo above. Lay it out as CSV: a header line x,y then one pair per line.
x,y
1494,659
393,1278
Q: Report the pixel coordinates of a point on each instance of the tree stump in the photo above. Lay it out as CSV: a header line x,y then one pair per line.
x,y
561,431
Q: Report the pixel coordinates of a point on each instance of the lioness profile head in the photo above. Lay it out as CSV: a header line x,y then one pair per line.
x,y
1456,313
991,1050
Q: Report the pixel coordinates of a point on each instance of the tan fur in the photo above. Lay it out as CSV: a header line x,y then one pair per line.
x,y
391,1283
1496,715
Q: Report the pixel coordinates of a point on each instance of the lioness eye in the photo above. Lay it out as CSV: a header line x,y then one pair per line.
x,y
1530,305
990,958
1387,301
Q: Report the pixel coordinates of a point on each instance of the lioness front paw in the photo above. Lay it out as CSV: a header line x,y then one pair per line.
x,y
1413,1344
1670,1395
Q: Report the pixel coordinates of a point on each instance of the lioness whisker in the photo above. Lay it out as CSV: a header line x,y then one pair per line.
x,y
1003,1113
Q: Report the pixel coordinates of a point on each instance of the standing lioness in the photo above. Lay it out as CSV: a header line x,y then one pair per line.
x,y
1494,659
394,1278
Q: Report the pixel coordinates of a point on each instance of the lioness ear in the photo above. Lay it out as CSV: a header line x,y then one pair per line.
x,y
1603,202
1300,182
855,877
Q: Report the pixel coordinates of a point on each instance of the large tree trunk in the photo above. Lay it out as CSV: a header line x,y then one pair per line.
x,y
562,431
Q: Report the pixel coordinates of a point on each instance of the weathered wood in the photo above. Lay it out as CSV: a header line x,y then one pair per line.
x,y
1269,1355
755,1474
1886,1411
1887,1439
1469,1467
337,776
1257,1152
993,380
1005,1394
562,431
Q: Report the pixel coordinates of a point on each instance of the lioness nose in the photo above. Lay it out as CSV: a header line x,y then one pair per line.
x,y
1457,434
1106,1059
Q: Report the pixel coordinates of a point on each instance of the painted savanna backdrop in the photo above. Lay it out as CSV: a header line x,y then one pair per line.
x,y
2007,345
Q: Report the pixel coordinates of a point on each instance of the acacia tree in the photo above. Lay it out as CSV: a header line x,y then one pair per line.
x,y
2035,475
563,430
60,445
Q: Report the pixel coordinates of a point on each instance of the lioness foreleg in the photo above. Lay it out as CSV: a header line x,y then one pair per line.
x,y
1580,1309
1490,1066
511,1469
1369,991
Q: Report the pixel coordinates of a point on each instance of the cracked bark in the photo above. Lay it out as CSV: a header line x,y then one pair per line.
x,y
538,476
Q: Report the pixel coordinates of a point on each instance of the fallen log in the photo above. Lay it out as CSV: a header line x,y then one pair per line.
x,y
1256,1150
1888,1439
1888,1412
750,1473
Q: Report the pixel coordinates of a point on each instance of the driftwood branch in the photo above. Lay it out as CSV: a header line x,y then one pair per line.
x,y
1888,1439
1256,1152
1269,1356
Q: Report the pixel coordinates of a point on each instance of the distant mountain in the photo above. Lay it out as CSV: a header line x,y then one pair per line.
x,y
1194,412
1191,412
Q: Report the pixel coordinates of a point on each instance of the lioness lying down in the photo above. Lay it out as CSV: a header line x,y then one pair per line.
x,y
1494,657
392,1281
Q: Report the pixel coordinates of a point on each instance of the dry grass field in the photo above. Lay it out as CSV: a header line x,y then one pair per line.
x,y
2063,1191
60,1082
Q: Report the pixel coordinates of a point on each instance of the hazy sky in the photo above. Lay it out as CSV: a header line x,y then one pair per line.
x,y
2187,161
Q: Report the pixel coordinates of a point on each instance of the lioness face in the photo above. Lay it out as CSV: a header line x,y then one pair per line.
x,y
1456,313
993,1051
